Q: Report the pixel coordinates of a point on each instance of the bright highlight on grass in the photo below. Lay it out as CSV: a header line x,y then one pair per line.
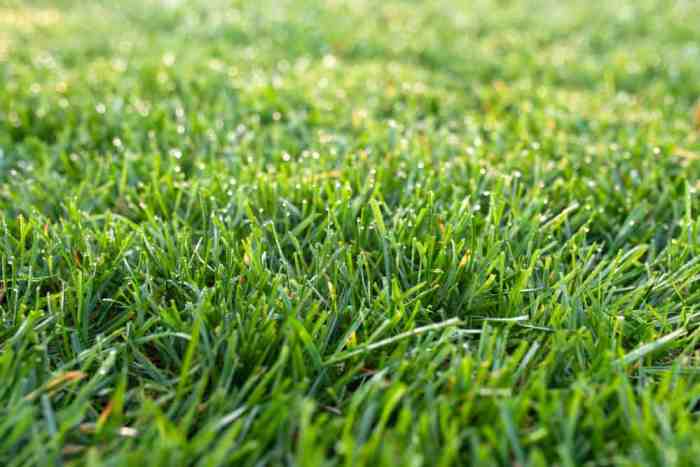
x,y
276,232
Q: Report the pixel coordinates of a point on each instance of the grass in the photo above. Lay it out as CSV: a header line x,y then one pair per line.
x,y
349,233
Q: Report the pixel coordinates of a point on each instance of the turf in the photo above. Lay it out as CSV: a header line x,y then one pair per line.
x,y
349,233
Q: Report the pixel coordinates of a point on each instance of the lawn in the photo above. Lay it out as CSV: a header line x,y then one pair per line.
x,y
350,233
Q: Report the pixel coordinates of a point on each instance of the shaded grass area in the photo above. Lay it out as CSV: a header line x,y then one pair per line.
x,y
349,233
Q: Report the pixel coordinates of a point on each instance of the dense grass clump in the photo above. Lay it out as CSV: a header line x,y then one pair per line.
x,y
346,232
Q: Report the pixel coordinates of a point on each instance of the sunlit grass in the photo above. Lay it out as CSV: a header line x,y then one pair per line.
x,y
26,19
330,232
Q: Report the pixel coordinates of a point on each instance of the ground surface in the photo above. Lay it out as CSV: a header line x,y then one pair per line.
x,y
349,232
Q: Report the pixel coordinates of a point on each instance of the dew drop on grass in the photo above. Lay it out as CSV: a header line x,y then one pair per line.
x,y
169,59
